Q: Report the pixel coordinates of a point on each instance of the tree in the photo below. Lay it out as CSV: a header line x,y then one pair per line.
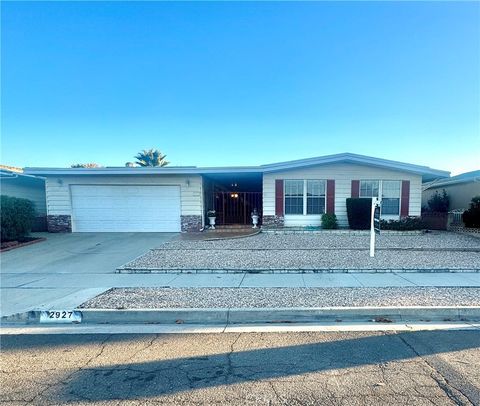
x,y
439,202
87,165
471,217
151,157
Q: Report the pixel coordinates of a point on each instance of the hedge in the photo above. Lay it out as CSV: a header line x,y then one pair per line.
x,y
359,213
404,224
471,217
17,217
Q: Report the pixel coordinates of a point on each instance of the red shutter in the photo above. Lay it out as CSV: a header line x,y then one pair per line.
x,y
330,196
405,200
279,197
355,188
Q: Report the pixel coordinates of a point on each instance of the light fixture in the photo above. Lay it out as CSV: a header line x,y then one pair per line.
x,y
234,195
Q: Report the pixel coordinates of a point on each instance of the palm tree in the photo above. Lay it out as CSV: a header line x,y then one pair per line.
x,y
151,157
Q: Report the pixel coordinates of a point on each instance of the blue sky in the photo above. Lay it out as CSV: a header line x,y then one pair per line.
x,y
240,83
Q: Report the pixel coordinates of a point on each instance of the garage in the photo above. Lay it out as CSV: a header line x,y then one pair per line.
x,y
125,208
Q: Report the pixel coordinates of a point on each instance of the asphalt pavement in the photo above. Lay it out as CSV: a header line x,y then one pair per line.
x,y
309,368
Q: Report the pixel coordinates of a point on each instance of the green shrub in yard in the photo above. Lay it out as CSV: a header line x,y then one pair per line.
x,y
471,217
404,224
329,221
359,213
439,202
17,217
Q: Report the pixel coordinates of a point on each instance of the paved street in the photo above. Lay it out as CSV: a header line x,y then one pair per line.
x,y
349,368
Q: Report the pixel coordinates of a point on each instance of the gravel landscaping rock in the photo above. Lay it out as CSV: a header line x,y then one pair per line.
x,y
156,298
437,240
302,260
299,252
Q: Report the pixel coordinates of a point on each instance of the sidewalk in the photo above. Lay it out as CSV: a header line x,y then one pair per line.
x,y
24,292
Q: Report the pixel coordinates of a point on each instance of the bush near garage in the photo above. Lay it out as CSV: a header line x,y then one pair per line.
x,y
329,221
471,217
404,224
17,218
359,212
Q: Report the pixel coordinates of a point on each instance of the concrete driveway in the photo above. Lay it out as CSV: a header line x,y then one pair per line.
x,y
91,257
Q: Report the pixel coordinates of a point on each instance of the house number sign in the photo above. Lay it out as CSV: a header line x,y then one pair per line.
x,y
60,316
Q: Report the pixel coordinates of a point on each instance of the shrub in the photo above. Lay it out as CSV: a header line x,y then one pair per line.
x,y
439,202
359,212
329,221
404,224
17,217
471,217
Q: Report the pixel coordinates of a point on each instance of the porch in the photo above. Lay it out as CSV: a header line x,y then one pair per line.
x,y
234,197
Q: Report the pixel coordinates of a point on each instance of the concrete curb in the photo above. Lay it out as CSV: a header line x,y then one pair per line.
x,y
266,315
288,270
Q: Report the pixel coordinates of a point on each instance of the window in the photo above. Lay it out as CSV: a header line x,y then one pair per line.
x,y
388,190
369,188
391,197
315,196
304,197
294,196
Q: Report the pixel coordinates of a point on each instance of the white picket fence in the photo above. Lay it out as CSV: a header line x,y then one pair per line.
x,y
455,217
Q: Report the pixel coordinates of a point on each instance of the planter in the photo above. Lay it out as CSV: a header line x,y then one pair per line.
x,y
212,222
255,220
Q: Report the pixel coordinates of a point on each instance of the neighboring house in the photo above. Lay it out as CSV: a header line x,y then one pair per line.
x,y
460,189
172,199
13,182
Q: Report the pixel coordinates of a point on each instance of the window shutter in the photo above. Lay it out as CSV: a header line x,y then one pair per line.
x,y
279,197
330,196
405,198
355,188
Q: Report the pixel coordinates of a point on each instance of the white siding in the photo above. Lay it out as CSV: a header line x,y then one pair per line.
x,y
59,194
343,174
35,193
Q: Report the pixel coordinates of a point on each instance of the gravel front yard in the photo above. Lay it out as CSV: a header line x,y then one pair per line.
x,y
302,260
315,252
437,240
156,298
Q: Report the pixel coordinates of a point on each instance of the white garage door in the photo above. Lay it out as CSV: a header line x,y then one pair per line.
x,y
108,208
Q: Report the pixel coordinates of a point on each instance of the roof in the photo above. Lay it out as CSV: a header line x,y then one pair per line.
x,y
18,177
473,176
11,168
428,174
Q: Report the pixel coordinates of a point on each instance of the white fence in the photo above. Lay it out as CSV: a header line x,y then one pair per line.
x,y
455,217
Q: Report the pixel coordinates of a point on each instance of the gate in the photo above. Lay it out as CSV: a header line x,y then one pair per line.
x,y
236,207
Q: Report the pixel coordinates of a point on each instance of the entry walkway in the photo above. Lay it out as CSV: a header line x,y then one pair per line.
x,y
24,292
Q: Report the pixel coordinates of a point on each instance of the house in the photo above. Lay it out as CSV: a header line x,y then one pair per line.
x,y
15,183
173,199
460,189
